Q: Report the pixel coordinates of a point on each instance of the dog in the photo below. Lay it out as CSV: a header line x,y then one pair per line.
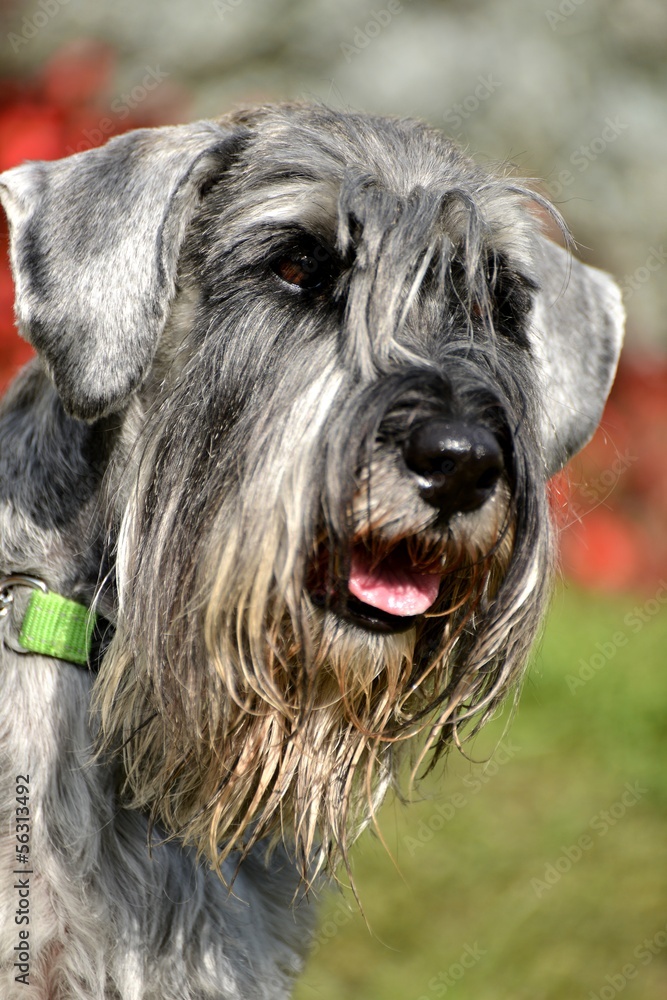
x,y
274,518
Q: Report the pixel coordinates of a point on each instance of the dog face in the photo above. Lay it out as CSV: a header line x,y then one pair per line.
x,y
343,361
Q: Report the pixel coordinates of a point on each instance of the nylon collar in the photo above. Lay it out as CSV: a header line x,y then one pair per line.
x,y
52,625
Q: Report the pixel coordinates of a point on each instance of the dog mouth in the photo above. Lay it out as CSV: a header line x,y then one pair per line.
x,y
382,593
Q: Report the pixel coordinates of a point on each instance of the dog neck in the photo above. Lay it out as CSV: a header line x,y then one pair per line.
x,y
51,474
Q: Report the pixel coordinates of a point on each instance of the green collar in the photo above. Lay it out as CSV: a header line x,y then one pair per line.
x,y
52,625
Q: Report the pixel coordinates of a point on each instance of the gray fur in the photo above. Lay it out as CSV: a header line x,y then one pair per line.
x,y
197,452
122,210
577,329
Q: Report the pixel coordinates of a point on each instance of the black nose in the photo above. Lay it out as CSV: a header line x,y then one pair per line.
x,y
458,464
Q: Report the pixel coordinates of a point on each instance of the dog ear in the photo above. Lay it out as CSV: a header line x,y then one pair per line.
x,y
94,244
576,334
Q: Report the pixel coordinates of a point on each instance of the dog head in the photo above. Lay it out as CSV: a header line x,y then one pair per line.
x,y
345,362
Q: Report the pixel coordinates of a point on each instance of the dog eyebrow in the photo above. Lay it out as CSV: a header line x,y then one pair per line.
x,y
275,236
293,173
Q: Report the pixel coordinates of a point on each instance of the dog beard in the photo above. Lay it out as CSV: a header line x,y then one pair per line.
x,y
247,708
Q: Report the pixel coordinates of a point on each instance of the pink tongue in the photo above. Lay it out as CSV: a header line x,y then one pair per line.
x,y
391,587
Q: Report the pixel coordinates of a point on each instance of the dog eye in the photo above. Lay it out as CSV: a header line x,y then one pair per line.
x,y
308,269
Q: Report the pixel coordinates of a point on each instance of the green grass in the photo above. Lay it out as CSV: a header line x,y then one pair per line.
x,y
472,878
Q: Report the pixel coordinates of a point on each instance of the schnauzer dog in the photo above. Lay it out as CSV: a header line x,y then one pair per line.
x,y
273,513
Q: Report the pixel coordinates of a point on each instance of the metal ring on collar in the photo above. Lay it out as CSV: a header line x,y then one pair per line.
x,y
7,584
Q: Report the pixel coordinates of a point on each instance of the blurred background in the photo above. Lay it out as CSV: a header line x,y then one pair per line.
x,y
536,868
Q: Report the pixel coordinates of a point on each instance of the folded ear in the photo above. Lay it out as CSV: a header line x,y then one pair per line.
x,y
576,335
94,244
